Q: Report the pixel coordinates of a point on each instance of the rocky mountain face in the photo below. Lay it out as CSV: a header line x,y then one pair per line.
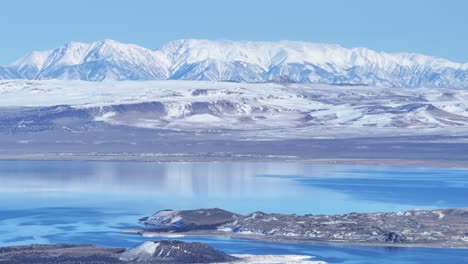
x,y
238,61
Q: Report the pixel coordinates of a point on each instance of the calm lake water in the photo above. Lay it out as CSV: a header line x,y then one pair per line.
x,y
89,202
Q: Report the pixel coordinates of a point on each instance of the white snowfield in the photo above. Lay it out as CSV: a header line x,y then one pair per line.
x,y
241,61
202,105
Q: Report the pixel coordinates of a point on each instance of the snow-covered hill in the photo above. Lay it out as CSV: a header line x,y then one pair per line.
x,y
280,109
239,61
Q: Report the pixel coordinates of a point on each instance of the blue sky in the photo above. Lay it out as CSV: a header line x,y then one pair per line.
x,y
433,27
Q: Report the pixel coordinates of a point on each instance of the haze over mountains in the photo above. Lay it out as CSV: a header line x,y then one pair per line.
x,y
238,61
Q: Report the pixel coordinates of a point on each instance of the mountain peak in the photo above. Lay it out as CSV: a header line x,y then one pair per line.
x,y
244,61
110,41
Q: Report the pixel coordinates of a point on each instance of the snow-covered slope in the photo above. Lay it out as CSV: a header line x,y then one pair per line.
x,y
97,61
282,109
173,251
7,73
240,61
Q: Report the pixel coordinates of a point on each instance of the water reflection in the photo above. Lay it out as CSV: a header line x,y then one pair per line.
x,y
242,187
183,179
89,202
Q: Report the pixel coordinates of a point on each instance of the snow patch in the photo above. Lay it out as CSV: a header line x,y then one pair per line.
x,y
107,117
142,251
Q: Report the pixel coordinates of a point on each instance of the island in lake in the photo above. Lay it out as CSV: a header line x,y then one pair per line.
x,y
430,228
149,252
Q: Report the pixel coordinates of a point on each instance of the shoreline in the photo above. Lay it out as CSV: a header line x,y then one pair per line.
x,y
161,251
162,158
442,228
149,235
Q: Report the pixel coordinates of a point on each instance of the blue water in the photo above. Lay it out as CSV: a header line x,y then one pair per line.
x,y
90,202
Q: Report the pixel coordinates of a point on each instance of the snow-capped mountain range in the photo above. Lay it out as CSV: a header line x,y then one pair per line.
x,y
238,61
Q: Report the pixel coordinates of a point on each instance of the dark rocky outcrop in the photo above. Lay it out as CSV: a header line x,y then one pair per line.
x,y
60,254
394,237
202,219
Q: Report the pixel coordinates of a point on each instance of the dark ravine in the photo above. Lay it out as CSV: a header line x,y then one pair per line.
x,y
429,228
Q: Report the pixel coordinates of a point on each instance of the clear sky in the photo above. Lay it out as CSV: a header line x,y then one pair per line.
x,y
432,27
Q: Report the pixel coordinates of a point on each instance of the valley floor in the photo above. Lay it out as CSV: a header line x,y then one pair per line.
x,y
196,120
434,150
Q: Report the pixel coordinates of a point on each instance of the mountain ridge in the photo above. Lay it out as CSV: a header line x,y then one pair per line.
x,y
239,61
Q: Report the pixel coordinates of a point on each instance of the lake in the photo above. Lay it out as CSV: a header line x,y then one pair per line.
x,y
90,202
